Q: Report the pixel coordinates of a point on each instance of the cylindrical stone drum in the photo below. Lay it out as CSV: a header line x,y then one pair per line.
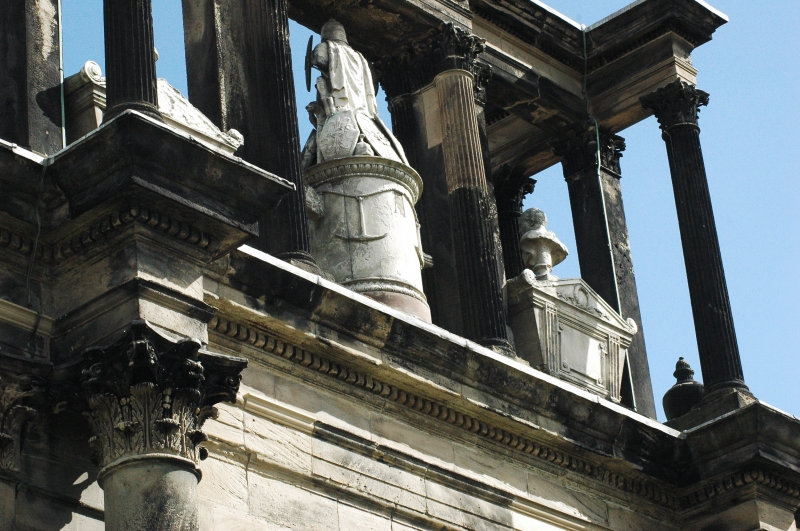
x,y
368,237
150,492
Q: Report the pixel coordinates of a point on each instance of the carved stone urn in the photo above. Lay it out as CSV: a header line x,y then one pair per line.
x,y
365,232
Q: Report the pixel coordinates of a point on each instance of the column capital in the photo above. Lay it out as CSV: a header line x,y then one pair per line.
x,y
510,189
579,153
446,47
18,396
675,104
150,395
483,74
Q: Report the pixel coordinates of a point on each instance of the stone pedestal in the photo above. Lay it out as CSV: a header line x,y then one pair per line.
x,y
564,328
367,236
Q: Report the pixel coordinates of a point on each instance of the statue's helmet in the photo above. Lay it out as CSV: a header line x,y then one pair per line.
x,y
333,31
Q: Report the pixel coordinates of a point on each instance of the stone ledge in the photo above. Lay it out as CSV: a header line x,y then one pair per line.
x,y
404,347
268,305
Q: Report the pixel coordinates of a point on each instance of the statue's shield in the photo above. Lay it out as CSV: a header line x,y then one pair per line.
x,y
309,62
338,136
376,138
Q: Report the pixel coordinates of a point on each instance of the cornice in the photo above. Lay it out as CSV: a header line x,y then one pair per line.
x,y
58,246
486,429
25,318
684,499
756,476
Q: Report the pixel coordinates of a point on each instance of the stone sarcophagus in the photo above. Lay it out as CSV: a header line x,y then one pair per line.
x,y
562,327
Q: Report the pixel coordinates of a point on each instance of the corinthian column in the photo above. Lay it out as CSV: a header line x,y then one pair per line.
x,y
130,58
604,252
148,398
676,107
432,92
239,67
476,252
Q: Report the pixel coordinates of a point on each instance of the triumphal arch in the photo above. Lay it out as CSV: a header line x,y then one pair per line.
x,y
209,323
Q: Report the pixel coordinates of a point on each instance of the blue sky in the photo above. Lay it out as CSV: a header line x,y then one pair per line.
x,y
751,144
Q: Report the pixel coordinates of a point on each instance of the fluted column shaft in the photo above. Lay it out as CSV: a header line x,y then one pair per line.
x,y
676,107
30,99
274,138
509,190
239,67
604,253
130,57
475,249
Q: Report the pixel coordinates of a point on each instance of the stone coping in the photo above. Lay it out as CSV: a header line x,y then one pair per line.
x,y
430,350
82,168
455,370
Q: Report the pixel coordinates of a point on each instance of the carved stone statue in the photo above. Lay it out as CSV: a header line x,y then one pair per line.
x,y
364,231
541,250
345,112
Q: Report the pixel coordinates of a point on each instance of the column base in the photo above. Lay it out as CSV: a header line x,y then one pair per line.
x,y
141,107
404,303
151,491
302,260
501,346
713,405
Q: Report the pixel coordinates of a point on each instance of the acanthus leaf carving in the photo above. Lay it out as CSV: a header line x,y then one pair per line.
x,y
580,152
675,104
148,394
443,48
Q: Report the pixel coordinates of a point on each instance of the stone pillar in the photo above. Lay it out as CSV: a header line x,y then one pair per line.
x,y
130,58
239,67
483,312
439,128
30,90
509,190
483,73
676,106
148,398
601,235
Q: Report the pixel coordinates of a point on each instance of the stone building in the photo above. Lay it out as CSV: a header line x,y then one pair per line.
x,y
200,328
